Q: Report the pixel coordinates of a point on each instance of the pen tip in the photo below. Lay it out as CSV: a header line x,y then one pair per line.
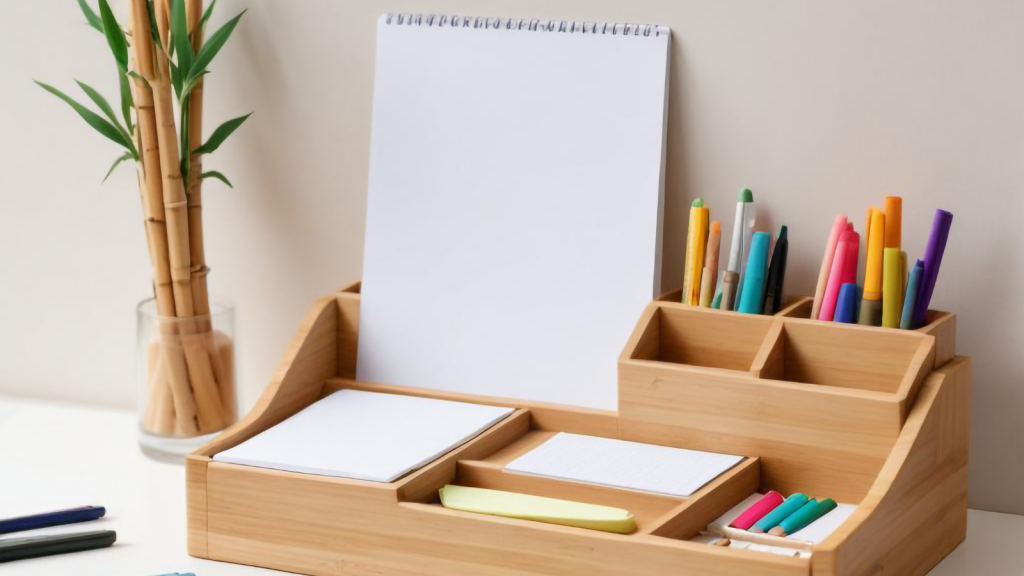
x,y
698,203
746,195
783,232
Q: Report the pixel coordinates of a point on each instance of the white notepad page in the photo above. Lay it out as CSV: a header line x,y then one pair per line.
x,y
622,464
365,435
513,217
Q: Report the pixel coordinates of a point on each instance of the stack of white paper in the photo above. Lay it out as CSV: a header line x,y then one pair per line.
x,y
622,464
365,435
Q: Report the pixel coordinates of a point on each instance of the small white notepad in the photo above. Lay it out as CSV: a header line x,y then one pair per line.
x,y
365,435
622,464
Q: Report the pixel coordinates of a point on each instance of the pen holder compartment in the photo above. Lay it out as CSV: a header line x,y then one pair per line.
x,y
677,334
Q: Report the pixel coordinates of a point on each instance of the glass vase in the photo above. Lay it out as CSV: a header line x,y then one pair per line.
x,y
185,370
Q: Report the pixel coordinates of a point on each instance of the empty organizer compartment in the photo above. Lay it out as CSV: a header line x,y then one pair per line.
x,y
847,356
680,334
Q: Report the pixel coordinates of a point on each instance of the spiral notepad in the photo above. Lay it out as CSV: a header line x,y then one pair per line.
x,y
514,207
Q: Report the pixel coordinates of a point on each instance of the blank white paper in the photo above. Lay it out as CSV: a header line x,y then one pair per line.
x,y
513,212
622,464
365,435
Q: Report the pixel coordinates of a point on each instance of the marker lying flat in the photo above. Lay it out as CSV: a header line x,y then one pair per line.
x,y
803,517
538,508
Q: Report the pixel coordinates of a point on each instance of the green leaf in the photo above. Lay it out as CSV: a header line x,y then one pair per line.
x,y
138,76
153,31
217,175
221,134
90,16
187,88
99,124
127,101
125,156
176,80
212,46
104,106
179,35
115,36
207,14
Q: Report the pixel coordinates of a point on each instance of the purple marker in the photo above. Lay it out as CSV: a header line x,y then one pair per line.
x,y
932,260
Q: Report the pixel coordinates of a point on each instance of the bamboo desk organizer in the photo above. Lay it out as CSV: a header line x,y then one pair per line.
x,y
868,416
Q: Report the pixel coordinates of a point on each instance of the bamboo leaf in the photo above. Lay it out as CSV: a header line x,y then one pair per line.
x,y
191,84
98,123
138,76
115,36
218,176
153,30
125,156
207,14
179,35
90,16
127,101
212,46
176,80
104,106
221,134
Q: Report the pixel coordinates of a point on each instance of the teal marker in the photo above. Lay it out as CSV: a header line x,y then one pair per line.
x,y
781,512
751,300
803,517
913,287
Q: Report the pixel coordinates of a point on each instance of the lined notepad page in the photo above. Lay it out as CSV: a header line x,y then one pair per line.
x,y
365,435
513,217
622,464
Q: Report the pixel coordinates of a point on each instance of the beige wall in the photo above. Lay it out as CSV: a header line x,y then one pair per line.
x,y
819,107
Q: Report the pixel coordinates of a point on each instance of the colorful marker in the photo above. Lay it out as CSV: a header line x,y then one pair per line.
x,y
838,227
846,306
932,260
758,510
709,276
776,274
871,305
746,214
913,287
803,517
845,263
892,288
752,282
696,237
783,511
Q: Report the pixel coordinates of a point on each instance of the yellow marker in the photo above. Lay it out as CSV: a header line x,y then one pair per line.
x,y
538,508
697,237
892,289
871,305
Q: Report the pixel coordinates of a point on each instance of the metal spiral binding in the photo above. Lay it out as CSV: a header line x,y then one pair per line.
x,y
531,24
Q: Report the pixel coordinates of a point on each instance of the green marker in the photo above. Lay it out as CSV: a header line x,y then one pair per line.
x,y
803,517
781,512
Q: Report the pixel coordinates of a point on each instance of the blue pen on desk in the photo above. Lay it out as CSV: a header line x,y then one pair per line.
x,y
49,519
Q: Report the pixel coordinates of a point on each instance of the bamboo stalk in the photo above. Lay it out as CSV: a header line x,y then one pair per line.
x,y
166,252
200,294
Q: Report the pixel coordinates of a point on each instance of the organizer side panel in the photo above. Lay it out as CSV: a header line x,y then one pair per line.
x,y
916,513
348,333
311,358
809,439
195,495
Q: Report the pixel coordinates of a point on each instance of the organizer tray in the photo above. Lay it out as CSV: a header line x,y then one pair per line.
x,y
862,415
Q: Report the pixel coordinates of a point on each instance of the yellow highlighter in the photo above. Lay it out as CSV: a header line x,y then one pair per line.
x,y
538,509
695,242
871,305
892,289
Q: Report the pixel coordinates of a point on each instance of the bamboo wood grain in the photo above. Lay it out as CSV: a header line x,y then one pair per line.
x,y
311,358
348,330
850,443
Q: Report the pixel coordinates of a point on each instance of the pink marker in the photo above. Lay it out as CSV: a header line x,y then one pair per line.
x,y
757,510
838,227
849,247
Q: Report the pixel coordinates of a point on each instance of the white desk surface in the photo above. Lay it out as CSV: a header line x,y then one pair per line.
x,y
55,456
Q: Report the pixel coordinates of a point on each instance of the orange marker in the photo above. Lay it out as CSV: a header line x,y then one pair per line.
x,y
893,221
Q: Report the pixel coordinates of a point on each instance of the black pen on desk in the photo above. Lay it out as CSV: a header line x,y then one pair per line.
x,y
39,546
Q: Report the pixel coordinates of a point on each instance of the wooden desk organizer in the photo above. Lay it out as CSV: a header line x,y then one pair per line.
x,y
869,416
